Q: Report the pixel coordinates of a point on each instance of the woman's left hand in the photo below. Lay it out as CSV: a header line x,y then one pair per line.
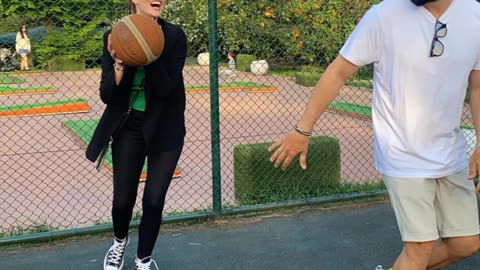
x,y
112,52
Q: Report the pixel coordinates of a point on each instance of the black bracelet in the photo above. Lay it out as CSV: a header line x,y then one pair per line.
x,y
303,132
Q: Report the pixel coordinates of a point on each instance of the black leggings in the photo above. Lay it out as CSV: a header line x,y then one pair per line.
x,y
128,154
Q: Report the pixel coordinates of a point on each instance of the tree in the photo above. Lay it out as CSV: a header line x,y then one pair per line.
x,y
192,16
74,27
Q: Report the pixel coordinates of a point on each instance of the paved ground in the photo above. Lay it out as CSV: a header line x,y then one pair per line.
x,y
348,237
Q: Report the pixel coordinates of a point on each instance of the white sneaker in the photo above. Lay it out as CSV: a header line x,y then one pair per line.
x,y
145,263
114,257
379,267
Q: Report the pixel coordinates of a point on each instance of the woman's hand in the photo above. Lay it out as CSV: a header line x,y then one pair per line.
x,y
288,147
118,63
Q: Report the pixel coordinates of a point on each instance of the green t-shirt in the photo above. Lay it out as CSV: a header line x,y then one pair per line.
x,y
137,96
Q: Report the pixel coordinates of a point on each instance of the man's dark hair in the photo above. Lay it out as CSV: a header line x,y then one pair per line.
x,y
422,2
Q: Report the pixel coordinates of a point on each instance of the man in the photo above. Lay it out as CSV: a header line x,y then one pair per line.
x,y
425,53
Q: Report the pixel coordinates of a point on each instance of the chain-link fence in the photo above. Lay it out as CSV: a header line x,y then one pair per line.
x,y
280,49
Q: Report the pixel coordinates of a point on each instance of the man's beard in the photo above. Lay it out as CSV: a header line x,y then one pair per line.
x,y
421,2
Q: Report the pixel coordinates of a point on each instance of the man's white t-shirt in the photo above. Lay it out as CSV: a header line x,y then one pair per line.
x,y
417,99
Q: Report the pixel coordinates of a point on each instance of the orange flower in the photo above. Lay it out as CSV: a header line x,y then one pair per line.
x,y
296,33
269,12
262,24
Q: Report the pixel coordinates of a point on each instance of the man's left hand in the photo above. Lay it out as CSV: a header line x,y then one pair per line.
x,y
474,166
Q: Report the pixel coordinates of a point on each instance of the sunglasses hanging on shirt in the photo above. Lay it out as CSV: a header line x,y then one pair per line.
x,y
437,46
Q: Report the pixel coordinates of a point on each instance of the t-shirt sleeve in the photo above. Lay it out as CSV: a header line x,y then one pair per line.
x,y
363,46
477,65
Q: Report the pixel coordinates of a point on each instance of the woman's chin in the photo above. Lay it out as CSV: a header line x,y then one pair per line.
x,y
153,13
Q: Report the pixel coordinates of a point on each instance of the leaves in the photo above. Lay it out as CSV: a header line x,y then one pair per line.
x,y
74,27
309,31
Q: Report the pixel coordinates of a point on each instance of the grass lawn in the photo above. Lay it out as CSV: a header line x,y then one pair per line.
x,y
345,188
367,110
352,108
363,83
362,78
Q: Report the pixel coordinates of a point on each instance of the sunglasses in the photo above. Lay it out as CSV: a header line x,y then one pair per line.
x,y
437,47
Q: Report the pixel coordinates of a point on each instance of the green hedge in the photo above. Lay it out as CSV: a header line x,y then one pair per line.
x,y
62,63
243,62
258,181
307,78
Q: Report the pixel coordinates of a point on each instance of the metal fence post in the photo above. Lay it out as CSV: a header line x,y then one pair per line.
x,y
214,105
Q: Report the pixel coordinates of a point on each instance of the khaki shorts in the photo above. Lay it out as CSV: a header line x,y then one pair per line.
x,y
430,208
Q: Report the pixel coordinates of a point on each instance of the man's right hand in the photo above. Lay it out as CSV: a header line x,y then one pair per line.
x,y
327,88
288,147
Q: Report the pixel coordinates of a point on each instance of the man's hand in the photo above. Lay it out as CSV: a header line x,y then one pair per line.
x,y
474,166
287,148
327,88
474,83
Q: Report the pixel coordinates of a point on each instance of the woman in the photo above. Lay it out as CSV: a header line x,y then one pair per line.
x,y
152,98
22,46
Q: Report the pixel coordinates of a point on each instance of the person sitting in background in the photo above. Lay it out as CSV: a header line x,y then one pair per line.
x,y
232,65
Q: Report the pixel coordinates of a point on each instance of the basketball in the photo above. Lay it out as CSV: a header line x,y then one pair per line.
x,y
137,40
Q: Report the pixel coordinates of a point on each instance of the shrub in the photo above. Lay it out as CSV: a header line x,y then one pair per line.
x,y
307,78
256,180
62,63
192,16
244,61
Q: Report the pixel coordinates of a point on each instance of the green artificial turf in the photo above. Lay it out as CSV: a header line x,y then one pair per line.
x,y
352,107
40,104
6,79
246,84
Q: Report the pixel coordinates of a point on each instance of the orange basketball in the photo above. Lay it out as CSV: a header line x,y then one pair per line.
x,y
137,40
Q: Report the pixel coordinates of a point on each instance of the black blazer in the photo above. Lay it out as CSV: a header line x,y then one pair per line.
x,y
164,127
